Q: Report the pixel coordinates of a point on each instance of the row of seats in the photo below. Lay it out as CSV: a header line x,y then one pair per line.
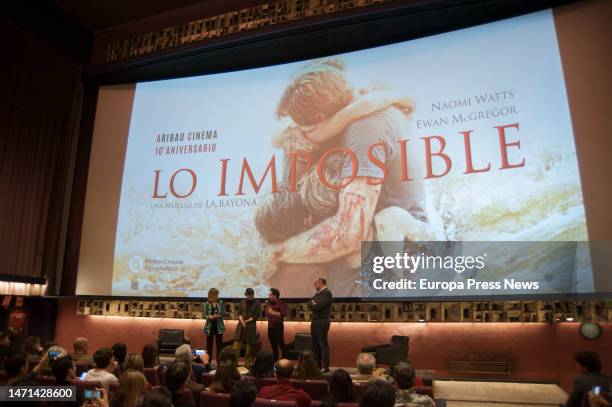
x,y
316,389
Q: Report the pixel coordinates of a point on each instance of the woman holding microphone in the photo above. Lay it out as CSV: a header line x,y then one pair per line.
x,y
213,311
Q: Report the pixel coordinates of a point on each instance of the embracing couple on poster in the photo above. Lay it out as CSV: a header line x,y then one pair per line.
x,y
316,230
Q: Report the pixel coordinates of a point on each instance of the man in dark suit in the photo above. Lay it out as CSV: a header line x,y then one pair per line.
x,y
320,305
590,367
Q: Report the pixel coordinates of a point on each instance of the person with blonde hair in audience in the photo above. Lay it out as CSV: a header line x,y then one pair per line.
x,y
53,353
105,365
307,368
134,362
131,390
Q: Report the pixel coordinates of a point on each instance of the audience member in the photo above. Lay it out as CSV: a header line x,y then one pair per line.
x,y
195,387
366,363
227,354
403,374
284,390
119,352
377,393
32,348
105,364
131,390
158,397
590,375
226,376
134,361
63,370
263,366
150,356
80,355
340,389
54,352
307,368
198,364
17,370
80,348
243,394
175,377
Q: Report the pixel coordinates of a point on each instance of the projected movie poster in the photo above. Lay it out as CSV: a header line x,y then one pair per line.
x,y
272,177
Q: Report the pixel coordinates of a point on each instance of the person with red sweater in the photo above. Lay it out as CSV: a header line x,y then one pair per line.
x,y
284,390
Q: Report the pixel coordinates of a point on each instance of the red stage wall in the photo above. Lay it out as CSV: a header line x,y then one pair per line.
x,y
538,351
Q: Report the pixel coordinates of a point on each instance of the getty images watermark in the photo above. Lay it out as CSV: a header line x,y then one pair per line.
x,y
465,269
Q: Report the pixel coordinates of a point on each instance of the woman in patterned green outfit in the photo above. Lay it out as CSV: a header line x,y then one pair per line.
x,y
213,311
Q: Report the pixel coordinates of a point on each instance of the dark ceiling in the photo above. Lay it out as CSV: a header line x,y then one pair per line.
x,y
99,15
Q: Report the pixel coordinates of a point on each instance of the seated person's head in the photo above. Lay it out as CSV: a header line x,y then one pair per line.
x,y
119,352
366,363
80,346
103,358
228,354
588,361
16,365
63,369
158,397
284,369
131,387
280,215
134,362
377,393
307,367
31,345
150,355
341,387
243,394
403,373
175,376
263,366
226,376
183,349
186,359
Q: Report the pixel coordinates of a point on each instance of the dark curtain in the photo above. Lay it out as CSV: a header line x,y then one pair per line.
x,y
40,93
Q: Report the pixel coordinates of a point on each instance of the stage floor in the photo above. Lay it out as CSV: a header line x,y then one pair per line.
x,y
479,394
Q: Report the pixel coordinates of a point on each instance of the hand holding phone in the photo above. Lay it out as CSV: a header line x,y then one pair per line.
x,y
596,391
